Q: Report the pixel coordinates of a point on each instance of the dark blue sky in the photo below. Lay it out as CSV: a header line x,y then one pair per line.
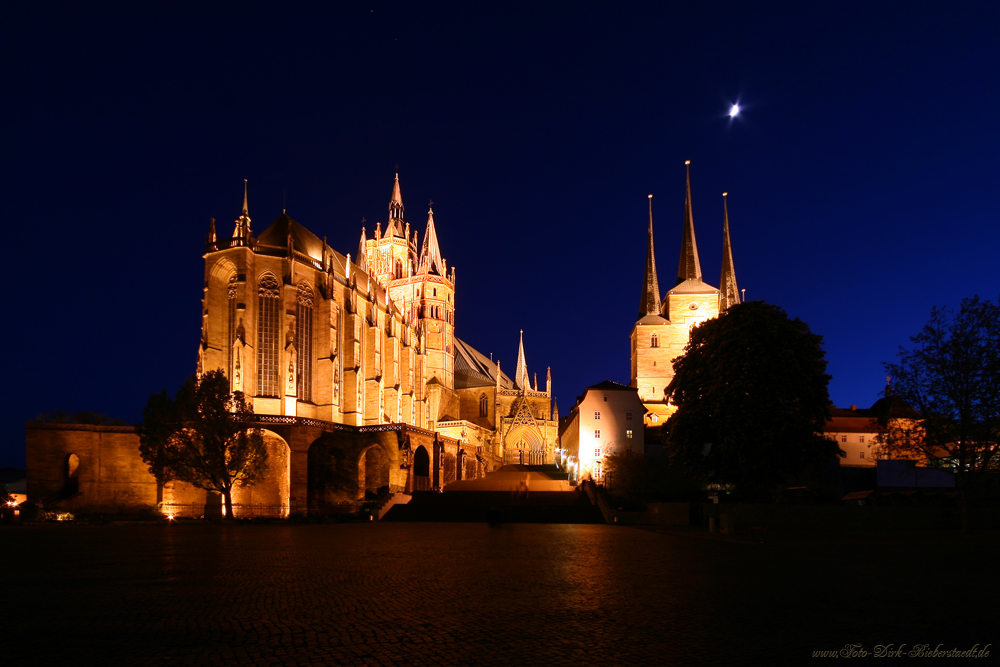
x,y
862,172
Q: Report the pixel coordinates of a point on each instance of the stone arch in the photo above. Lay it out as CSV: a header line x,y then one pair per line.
x,y
524,445
270,496
373,472
421,469
220,324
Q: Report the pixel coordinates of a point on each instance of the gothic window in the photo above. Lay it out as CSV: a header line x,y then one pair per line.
x,y
268,335
399,269
483,406
654,341
303,340
231,324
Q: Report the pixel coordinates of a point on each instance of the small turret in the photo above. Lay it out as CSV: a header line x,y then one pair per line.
x,y
430,254
242,229
395,226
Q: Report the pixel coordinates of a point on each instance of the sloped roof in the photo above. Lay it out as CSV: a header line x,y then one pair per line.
x,y
693,286
474,369
305,241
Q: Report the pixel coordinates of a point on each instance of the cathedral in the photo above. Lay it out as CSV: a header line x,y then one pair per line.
x,y
354,371
664,323
365,342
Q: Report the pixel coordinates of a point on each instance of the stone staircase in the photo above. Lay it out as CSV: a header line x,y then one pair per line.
x,y
498,498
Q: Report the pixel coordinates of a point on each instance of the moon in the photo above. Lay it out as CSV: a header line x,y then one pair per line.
x,y
734,110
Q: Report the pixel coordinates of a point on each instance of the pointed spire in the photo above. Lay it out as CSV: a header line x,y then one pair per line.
x,y
361,247
555,410
521,374
650,303
430,255
729,293
395,224
211,231
690,265
242,230
548,381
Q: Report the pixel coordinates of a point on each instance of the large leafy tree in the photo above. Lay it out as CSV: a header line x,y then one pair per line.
x,y
752,400
204,437
946,391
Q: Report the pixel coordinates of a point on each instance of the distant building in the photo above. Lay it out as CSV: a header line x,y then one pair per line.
x,y
857,430
664,326
854,430
607,419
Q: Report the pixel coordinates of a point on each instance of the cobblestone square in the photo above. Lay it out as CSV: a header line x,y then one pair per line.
x,y
466,594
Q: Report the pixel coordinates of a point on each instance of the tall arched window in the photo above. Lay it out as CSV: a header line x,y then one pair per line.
x,y
654,341
268,301
483,406
231,324
303,340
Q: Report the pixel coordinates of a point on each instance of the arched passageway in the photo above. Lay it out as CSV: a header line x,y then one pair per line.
x,y
269,496
373,473
421,470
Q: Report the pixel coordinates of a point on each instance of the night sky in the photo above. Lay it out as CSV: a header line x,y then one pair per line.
x,y
861,171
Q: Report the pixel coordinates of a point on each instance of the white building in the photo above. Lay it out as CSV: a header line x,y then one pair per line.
x,y
607,419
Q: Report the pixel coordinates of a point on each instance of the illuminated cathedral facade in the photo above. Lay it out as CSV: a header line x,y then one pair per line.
x,y
308,332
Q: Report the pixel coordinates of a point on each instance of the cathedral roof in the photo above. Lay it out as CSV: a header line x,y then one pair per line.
x,y
653,319
693,286
474,369
276,235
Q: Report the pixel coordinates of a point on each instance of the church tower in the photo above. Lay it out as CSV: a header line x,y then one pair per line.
x,y
663,329
417,283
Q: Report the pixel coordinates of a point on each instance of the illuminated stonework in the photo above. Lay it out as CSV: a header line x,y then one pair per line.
x,y
663,328
365,340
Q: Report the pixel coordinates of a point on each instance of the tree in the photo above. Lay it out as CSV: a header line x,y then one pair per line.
x,y
950,383
752,400
203,437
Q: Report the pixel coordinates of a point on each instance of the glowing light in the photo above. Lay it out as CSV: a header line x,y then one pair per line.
x,y
170,517
734,110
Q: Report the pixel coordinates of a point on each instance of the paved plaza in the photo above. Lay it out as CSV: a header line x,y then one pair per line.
x,y
466,594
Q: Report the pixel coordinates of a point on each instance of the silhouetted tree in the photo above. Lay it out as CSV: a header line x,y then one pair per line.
x,y
947,395
752,400
204,437
627,472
